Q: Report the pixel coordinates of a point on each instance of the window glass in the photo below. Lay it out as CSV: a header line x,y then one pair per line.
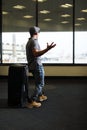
x,y
56,23
62,53
17,17
80,31
0,31
0,46
55,18
13,47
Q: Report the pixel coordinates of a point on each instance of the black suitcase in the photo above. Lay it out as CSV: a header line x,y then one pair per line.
x,y
17,86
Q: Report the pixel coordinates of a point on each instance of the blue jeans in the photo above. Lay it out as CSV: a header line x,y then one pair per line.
x,y
38,74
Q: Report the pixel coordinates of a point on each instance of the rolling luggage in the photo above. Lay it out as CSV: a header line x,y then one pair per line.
x,y
17,86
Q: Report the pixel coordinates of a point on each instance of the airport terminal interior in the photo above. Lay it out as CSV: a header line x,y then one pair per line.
x,y
63,22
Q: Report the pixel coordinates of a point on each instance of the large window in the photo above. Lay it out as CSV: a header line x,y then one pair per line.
x,y
63,22
57,18
14,43
63,50
13,47
80,32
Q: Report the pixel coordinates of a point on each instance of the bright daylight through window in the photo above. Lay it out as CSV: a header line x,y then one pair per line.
x,y
14,47
62,22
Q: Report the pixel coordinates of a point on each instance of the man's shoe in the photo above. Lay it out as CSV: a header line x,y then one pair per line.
x,y
42,98
33,104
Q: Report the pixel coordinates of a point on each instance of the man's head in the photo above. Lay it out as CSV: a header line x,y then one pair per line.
x,y
34,30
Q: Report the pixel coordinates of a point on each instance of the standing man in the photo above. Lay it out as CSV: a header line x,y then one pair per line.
x,y
34,53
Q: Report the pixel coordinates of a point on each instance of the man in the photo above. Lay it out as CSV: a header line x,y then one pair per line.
x,y
34,53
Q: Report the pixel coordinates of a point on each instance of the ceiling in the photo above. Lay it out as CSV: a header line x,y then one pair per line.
x,y
57,19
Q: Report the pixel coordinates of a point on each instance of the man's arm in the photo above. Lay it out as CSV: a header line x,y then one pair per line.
x,y
41,52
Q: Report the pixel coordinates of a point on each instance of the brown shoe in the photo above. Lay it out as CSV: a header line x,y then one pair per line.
x,y
33,104
42,98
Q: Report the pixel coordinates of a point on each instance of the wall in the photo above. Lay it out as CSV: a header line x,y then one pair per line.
x,y
55,70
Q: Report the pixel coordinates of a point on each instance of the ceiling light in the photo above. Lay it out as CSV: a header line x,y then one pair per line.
x,y
66,6
4,12
40,0
64,22
84,10
47,19
77,24
28,16
81,19
44,12
65,15
19,7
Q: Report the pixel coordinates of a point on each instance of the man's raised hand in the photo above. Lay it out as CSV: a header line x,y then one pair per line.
x,y
50,46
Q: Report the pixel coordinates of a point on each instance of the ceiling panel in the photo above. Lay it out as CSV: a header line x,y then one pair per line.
x,y
14,20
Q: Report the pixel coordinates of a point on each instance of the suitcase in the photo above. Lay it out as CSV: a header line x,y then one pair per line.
x,y
17,86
